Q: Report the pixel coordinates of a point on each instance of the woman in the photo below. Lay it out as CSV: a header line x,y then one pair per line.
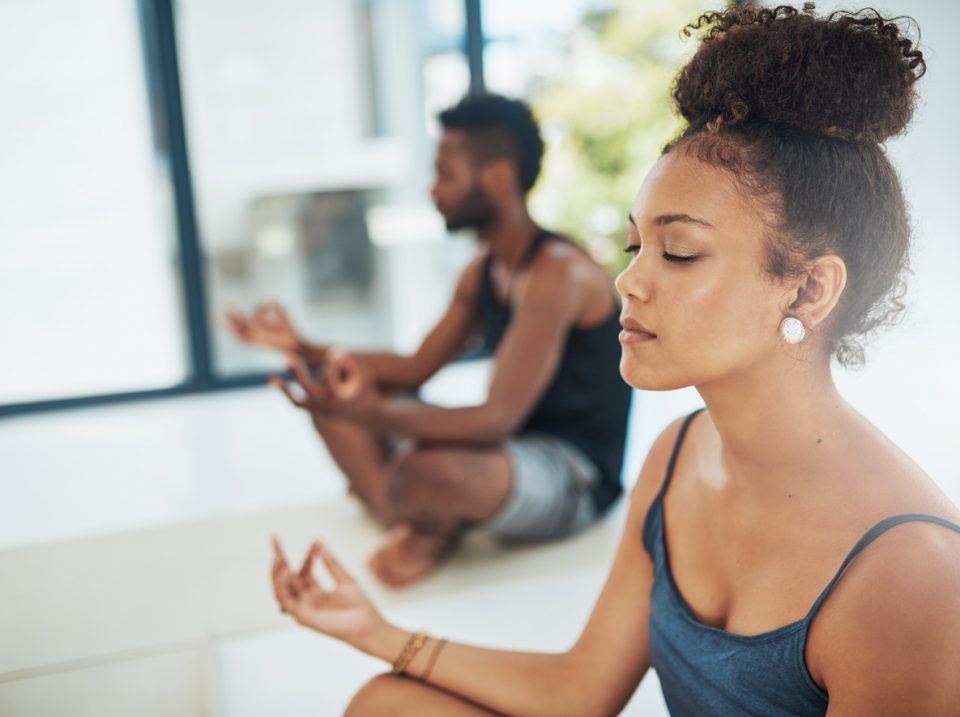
x,y
813,568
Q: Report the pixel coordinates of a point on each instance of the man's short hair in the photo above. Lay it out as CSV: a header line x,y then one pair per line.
x,y
499,128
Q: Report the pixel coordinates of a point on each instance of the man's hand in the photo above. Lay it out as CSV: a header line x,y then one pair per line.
x,y
343,612
268,326
343,389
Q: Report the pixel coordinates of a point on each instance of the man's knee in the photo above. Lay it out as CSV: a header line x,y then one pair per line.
x,y
423,476
379,696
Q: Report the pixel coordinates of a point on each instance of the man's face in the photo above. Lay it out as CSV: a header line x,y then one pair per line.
x,y
457,191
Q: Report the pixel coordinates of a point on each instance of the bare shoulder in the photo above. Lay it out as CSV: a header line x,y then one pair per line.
x,y
560,260
553,287
565,277
567,256
888,638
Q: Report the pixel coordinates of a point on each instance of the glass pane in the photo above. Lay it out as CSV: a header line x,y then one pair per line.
x,y
310,126
88,273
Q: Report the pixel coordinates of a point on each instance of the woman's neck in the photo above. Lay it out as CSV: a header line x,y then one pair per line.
x,y
777,422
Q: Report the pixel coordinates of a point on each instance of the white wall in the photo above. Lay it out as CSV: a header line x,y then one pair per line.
x,y
910,386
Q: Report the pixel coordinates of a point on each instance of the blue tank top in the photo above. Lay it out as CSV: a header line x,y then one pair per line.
x,y
707,671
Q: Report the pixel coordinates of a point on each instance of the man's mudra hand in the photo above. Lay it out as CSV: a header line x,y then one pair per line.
x,y
342,388
343,611
268,325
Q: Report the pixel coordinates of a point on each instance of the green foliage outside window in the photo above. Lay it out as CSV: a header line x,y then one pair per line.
x,y
606,120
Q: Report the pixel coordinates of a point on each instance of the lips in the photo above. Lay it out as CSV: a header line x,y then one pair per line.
x,y
634,332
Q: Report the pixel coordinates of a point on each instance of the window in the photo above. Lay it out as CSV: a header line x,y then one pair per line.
x,y
89,278
306,121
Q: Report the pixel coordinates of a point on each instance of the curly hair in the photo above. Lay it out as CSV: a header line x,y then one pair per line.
x,y
796,107
498,127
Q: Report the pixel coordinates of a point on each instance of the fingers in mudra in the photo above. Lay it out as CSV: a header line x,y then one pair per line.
x,y
237,322
299,398
321,394
342,611
266,325
290,587
276,315
345,377
314,387
279,575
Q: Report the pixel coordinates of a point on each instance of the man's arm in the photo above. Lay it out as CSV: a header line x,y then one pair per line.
x,y
527,360
269,326
442,344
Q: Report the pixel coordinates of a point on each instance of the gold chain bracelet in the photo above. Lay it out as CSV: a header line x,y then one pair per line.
x,y
409,651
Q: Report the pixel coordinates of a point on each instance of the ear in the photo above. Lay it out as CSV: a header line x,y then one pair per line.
x,y
498,177
817,292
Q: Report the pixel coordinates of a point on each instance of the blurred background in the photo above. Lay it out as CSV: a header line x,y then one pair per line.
x,y
163,160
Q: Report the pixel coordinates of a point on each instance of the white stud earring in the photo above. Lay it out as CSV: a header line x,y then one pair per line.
x,y
792,330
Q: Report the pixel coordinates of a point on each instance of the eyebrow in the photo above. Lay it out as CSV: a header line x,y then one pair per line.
x,y
665,219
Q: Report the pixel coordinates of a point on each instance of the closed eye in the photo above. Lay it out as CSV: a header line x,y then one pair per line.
x,y
680,259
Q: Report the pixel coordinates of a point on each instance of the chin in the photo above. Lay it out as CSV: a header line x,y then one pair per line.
x,y
458,225
652,383
647,377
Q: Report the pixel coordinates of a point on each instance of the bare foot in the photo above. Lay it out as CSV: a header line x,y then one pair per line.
x,y
406,556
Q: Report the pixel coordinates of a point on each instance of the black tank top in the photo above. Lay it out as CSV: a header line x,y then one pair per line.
x,y
587,401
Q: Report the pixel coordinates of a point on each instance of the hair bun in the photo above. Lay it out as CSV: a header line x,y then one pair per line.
x,y
848,75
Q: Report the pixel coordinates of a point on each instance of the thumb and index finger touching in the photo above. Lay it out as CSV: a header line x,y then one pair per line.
x,y
317,550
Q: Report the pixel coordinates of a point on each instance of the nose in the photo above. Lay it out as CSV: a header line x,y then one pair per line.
x,y
633,282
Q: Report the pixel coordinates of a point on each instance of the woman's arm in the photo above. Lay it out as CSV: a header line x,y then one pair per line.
x,y
887,640
596,676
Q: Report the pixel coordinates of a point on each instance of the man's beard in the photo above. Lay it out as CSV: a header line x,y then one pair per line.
x,y
474,211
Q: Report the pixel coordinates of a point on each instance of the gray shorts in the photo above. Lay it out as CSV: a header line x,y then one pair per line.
x,y
550,496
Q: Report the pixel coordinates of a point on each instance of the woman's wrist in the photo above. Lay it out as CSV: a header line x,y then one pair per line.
x,y
384,641
409,653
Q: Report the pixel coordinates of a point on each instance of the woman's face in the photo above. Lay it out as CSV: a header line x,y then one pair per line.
x,y
705,309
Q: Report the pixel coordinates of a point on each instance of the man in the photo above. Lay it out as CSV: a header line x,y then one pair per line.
x,y
541,458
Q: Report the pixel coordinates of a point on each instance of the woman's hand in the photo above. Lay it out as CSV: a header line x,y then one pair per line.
x,y
343,612
268,326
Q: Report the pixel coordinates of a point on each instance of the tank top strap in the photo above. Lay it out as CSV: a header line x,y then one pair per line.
x,y
677,444
486,273
871,535
539,239
653,522
487,293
